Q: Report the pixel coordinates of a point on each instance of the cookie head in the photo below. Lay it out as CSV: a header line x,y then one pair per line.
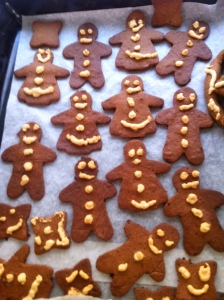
x,y
86,168
30,133
81,100
186,178
164,237
87,33
136,20
132,84
43,56
185,99
134,152
199,30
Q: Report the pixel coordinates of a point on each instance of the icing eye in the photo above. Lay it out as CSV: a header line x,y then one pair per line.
x,y
36,127
82,31
192,97
140,151
202,30
180,96
132,23
25,127
75,98
196,24
160,232
184,272
131,153
204,272
84,97
195,173
184,175
81,165
136,82
140,22
90,31
127,82
91,164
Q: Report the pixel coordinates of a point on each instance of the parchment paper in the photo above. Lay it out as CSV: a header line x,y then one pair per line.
x,y
61,172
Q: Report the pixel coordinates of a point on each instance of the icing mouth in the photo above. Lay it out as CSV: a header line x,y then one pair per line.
x,y
143,204
198,292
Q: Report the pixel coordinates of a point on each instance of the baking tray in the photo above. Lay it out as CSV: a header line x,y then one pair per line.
x,y
63,168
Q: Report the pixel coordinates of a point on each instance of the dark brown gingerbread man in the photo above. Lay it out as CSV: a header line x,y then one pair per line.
x,y
40,86
137,51
87,195
132,117
140,189
184,122
28,158
87,54
187,48
78,280
196,280
196,208
141,254
19,280
80,134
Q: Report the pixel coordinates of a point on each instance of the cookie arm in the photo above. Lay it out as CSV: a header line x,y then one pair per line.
x,y
109,103
116,39
22,72
204,120
173,207
205,52
154,101
69,51
68,194
61,118
156,36
173,36
46,154
164,117
61,72
214,198
109,190
104,50
159,167
9,155
101,118
115,174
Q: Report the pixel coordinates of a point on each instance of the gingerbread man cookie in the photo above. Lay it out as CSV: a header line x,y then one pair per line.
x,y
19,280
87,54
78,280
196,280
137,51
167,12
214,88
45,34
132,117
50,232
13,221
141,254
40,86
28,158
184,122
80,134
196,208
187,48
140,188
87,195
165,293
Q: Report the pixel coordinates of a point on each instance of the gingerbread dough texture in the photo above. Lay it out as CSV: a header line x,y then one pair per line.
x,y
87,54
50,232
87,195
214,88
186,49
167,12
137,52
165,293
184,122
141,254
24,281
196,280
80,134
28,158
40,86
13,221
140,188
132,116
196,208
78,280
45,34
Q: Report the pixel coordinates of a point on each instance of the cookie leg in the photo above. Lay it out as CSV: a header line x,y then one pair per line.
x,y
217,240
79,235
104,231
183,75
76,81
195,156
14,189
190,246
172,152
36,188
